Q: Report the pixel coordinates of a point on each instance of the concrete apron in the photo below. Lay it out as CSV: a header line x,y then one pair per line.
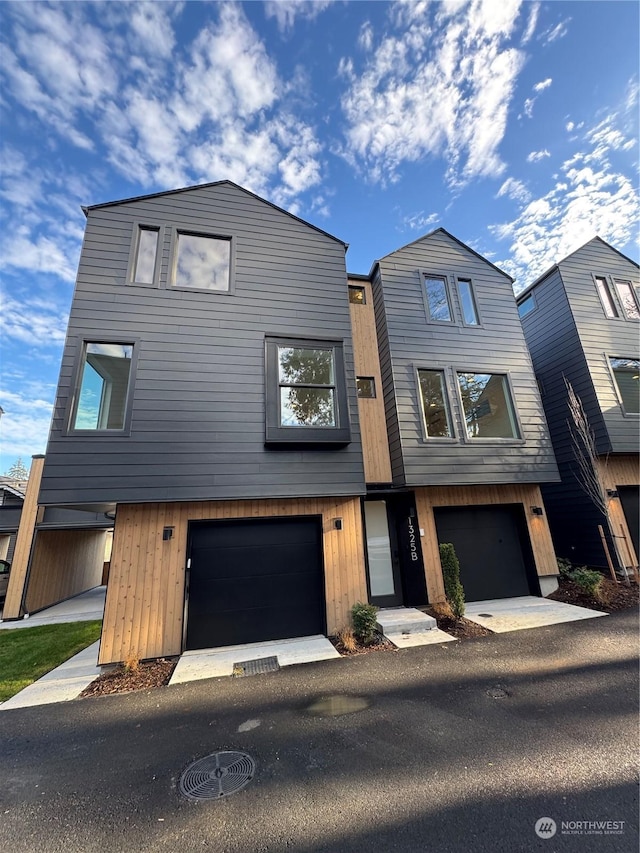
x,y
528,611
81,608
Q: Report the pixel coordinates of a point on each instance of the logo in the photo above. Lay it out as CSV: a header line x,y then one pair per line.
x,y
545,827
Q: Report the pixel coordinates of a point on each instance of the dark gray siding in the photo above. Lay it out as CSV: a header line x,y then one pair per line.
x,y
555,348
497,346
386,372
601,337
197,428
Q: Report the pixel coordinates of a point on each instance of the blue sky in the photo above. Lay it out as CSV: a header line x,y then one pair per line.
x,y
514,125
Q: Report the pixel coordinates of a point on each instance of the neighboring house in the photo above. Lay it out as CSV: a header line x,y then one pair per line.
x,y
11,499
582,322
443,368
216,377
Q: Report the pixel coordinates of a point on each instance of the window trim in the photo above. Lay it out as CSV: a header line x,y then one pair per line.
x,y
454,438
467,278
71,407
424,274
614,301
371,379
616,387
466,438
275,432
176,230
634,296
139,226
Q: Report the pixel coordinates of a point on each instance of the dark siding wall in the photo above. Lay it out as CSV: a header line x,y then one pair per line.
x,y
555,348
497,346
386,369
601,337
197,429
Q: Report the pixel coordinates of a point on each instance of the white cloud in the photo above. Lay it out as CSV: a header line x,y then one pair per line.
x,y
544,84
419,221
534,11
590,196
536,156
33,321
287,11
514,189
365,37
439,87
557,32
24,424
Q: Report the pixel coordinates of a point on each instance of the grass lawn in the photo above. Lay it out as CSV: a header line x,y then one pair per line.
x,y
28,653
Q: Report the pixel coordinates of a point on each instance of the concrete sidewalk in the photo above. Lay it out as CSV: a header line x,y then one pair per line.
x,y
81,608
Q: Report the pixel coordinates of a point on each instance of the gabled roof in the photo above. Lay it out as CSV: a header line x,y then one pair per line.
x,y
12,490
207,186
451,237
556,266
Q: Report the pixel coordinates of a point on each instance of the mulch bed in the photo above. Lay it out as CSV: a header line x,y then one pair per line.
x,y
379,644
615,596
461,629
149,674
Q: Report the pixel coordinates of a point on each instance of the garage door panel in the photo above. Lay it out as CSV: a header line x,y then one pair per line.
x,y
255,580
489,550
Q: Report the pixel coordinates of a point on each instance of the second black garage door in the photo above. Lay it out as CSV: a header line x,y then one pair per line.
x,y
489,546
252,581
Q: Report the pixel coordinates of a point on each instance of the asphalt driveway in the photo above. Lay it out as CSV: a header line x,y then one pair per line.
x,y
461,747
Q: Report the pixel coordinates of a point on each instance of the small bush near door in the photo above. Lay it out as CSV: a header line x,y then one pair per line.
x,y
364,621
451,576
588,580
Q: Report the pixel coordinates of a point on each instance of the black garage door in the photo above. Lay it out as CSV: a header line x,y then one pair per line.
x,y
629,496
255,580
489,547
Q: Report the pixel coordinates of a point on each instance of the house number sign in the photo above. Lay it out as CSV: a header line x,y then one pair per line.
x,y
413,548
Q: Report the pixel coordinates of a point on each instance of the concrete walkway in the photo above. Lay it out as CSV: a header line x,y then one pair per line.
x,y
69,680
81,608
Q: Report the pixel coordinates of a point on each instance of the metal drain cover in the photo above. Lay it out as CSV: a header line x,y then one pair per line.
x,y
486,615
217,775
256,667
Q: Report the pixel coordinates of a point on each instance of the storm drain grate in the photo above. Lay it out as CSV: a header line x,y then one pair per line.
x,y
217,775
486,615
256,667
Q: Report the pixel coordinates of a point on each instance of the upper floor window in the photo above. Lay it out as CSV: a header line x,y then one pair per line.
x,y
468,302
435,407
627,299
103,388
437,299
201,262
626,372
487,405
605,297
527,305
306,392
146,252
357,295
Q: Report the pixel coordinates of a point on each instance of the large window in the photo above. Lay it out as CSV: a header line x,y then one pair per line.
x,y
626,372
101,400
146,251
435,406
488,409
437,299
627,299
306,393
202,262
357,295
468,302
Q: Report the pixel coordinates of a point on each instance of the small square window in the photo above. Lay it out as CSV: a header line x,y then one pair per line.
x,y
526,306
202,262
627,299
437,299
606,298
101,400
487,405
357,295
626,372
468,302
144,268
435,405
366,386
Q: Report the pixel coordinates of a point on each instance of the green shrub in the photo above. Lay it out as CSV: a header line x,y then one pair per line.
x,y
451,575
565,567
364,622
588,580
